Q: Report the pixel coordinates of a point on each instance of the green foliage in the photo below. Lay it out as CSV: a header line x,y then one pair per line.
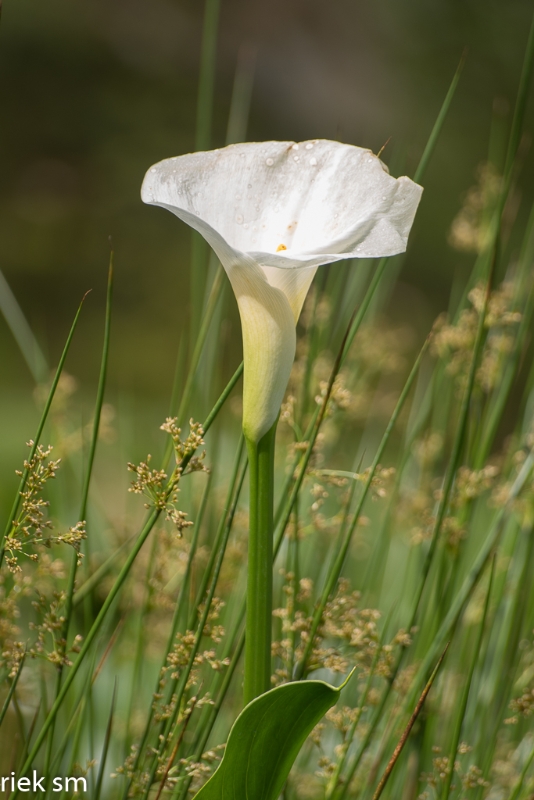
x,y
265,740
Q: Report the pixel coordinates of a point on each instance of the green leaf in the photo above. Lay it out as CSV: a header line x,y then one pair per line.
x,y
265,740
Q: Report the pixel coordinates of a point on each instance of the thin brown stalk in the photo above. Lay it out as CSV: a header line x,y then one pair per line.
x,y
409,726
107,651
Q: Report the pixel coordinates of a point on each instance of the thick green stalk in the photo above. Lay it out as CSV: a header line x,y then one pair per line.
x,y
260,567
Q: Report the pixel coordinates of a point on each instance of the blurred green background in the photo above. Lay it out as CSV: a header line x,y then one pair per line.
x,y
93,93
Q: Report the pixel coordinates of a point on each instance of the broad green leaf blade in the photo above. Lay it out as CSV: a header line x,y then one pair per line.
x,y
265,740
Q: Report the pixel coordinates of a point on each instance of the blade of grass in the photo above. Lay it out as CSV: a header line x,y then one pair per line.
x,y
519,785
241,95
495,410
85,495
203,135
99,574
521,103
22,332
206,85
438,125
219,536
214,297
57,376
85,490
467,688
508,662
105,746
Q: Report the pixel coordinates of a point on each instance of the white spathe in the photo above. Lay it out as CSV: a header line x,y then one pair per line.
x,y
273,212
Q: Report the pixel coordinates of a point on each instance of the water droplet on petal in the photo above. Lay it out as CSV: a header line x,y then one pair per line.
x,y
309,146
295,158
269,162
246,225
313,162
295,147
239,219
153,169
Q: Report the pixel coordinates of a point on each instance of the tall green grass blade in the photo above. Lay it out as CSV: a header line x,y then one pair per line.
x,y
521,103
44,416
99,394
457,448
105,747
494,413
206,85
221,533
516,791
214,297
100,573
206,90
22,332
241,95
508,660
85,493
466,690
438,125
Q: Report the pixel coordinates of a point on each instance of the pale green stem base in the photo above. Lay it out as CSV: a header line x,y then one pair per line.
x,y
260,567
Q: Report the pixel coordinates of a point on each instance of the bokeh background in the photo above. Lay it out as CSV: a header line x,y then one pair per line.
x,y
93,93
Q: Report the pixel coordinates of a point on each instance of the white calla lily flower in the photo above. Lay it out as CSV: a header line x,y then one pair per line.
x,y
273,212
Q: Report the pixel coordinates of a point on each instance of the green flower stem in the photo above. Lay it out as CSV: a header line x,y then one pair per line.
x,y
260,567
